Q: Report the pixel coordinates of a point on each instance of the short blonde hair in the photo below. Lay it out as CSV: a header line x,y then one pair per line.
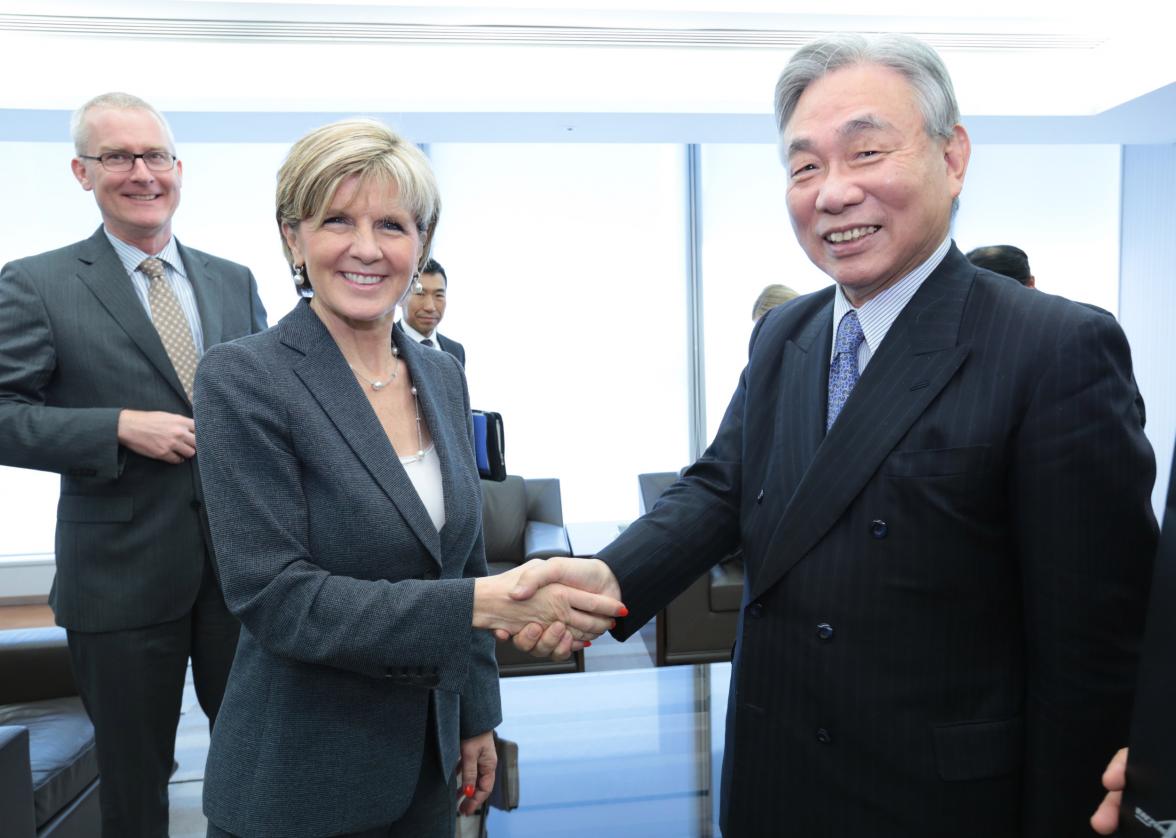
x,y
319,163
769,298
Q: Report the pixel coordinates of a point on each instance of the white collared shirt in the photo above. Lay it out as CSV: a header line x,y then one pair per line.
x,y
418,337
131,257
878,314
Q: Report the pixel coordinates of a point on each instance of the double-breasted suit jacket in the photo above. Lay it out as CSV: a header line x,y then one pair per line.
x,y
76,347
944,594
355,612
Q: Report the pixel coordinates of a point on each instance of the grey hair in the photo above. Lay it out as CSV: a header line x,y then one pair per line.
x,y
80,131
914,60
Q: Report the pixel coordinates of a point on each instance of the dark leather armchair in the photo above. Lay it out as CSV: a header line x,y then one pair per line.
x,y
699,625
523,520
48,766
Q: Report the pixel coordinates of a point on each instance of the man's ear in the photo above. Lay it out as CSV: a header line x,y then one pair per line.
x,y
79,171
956,153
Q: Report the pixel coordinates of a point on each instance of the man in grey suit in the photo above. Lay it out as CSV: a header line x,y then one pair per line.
x,y
424,309
942,491
98,348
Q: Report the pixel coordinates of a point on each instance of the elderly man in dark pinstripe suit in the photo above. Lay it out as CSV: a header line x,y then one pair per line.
x,y
941,488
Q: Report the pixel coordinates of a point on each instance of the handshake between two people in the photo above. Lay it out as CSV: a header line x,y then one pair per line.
x,y
549,607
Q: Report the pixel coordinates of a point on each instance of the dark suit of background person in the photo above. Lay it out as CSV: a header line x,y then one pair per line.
x,y
134,584
425,308
323,727
944,592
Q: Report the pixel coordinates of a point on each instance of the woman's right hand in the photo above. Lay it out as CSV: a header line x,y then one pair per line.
x,y
585,615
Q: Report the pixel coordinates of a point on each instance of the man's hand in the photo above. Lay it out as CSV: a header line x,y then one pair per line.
x,y
553,641
161,436
476,768
584,614
1106,820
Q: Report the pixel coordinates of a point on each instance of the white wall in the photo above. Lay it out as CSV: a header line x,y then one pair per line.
x,y
1060,204
1149,292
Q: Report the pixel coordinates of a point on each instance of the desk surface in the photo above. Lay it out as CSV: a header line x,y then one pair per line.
x,y
589,537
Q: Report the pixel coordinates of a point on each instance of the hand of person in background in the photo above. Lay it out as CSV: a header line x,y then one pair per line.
x,y
1106,820
475,771
551,641
170,437
583,614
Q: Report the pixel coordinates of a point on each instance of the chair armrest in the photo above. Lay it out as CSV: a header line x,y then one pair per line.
x,y
16,782
542,541
35,665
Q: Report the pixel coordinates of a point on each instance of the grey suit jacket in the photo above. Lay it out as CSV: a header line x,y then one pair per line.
x,y
355,612
76,347
944,594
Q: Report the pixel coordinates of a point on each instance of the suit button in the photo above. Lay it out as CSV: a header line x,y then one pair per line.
x,y
760,497
823,736
879,528
755,610
825,631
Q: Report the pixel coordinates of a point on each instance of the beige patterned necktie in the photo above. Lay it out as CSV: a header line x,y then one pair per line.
x,y
170,322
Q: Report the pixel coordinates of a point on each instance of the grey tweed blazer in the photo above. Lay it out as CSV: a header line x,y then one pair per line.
x,y
355,611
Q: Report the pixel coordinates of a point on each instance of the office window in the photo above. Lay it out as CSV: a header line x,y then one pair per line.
x,y
747,242
567,287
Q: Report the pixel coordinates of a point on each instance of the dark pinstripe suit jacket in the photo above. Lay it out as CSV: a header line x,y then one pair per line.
x,y
355,612
76,347
944,595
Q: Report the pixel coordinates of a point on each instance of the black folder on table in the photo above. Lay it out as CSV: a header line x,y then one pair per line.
x,y
489,445
1149,801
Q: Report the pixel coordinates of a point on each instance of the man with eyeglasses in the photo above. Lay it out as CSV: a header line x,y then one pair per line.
x,y
98,348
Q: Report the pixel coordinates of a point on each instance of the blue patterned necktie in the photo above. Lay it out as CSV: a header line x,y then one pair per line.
x,y
843,369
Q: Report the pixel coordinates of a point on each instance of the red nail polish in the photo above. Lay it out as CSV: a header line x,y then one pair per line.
x,y
624,612
467,790
587,643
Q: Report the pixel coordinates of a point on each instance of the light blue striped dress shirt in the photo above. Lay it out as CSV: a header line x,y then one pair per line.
x,y
131,257
878,314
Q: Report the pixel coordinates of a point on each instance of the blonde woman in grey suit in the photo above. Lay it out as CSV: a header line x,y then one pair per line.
x,y
344,503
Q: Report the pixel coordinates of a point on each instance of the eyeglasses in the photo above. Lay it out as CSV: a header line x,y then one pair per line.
x,y
124,161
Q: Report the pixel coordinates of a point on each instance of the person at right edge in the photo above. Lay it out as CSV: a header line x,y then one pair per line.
x,y
941,488
1156,688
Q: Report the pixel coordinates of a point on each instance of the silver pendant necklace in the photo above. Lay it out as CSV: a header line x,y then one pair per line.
x,y
380,383
416,404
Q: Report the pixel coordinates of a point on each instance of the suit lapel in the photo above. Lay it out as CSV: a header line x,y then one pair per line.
x,y
800,412
326,375
919,356
101,271
209,296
